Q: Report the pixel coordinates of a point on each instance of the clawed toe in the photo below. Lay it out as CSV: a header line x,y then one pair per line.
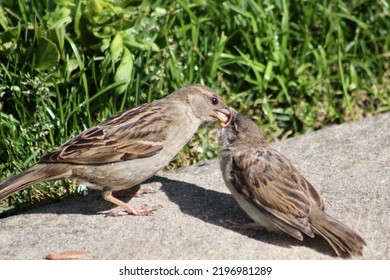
x,y
243,226
144,210
142,192
126,209
114,213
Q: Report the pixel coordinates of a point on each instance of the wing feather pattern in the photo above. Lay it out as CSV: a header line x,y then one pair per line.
x,y
268,181
137,133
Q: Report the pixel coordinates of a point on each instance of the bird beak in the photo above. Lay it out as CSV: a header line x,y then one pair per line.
x,y
224,116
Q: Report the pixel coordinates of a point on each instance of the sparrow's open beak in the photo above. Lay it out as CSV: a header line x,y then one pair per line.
x,y
224,116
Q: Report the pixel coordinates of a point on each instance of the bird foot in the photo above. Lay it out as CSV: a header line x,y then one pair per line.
x,y
243,226
142,211
142,192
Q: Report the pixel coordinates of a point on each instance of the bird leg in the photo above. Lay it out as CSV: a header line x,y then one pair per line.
x,y
244,226
127,210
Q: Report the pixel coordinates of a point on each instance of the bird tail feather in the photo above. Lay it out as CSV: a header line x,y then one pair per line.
x,y
343,239
33,175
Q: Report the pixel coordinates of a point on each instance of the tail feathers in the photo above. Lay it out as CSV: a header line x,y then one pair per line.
x,y
35,174
344,241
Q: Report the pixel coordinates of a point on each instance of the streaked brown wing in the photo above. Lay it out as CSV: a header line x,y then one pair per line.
x,y
136,133
273,185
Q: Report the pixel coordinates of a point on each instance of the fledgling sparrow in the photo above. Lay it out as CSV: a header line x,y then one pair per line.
x,y
127,148
273,192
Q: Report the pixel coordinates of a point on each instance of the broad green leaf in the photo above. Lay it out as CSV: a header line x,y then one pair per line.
x,y
116,47
46,55
124,72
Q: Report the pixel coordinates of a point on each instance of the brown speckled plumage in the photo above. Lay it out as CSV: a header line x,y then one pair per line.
x,y
128,148
273,192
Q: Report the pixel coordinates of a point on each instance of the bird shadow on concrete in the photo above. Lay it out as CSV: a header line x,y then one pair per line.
x,y
218,208
89,204
207,205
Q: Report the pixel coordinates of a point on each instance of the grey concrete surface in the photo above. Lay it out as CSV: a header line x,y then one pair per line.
x,y
349,164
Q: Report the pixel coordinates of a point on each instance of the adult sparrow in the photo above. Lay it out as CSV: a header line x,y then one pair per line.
x,y
127,148
273,192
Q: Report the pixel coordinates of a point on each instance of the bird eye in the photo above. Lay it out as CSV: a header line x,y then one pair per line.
x,y
214,100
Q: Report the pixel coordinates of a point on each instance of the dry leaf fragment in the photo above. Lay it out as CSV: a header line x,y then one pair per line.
x,y
67,255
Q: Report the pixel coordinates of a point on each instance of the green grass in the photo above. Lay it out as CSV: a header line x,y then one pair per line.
x,y
293,66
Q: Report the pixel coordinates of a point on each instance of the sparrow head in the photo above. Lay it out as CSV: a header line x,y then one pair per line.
x,y
206,104
241,132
